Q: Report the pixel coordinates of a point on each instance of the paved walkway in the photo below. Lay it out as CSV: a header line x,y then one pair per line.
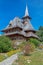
x,y
9,60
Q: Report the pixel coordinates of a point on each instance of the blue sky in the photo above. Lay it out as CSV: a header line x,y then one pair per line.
x,y
12,8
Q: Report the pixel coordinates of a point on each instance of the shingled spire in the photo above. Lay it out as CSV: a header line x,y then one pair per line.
x,y
26,11
26,14
26,21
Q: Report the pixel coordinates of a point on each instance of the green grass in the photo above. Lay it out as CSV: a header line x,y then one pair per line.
x,y
2,57
36,59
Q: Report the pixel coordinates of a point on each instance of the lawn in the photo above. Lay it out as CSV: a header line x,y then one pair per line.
x,y
36,58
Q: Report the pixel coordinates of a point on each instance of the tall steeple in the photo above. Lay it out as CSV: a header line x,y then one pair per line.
x,y
26,21
26,11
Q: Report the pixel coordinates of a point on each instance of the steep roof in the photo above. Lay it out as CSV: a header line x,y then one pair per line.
x,y
28,26
16,22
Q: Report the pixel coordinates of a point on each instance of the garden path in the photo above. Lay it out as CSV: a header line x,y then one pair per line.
x,y
9,60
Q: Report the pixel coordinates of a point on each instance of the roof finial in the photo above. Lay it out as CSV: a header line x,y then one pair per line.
x,y
26,11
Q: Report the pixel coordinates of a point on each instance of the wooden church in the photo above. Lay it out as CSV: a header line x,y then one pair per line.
x,y
20,29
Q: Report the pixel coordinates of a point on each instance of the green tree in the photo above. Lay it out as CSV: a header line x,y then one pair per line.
x,y
40,33
5,44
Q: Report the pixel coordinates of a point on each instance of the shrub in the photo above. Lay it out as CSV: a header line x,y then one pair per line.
x,y
12,52
34,41
41,46
32,47
5,44
21,45
40,33
28,48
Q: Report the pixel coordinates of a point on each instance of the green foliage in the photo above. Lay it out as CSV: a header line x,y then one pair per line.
x,y
26,47
5,44
34,41
2,57
41,42
41,45
22,45
40,33
32,47
10,53
41,28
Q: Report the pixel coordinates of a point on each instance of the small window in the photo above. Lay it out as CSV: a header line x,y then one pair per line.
x,y
10,25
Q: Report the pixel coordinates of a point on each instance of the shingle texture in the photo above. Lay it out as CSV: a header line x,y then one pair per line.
x,y
17,22
23,24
